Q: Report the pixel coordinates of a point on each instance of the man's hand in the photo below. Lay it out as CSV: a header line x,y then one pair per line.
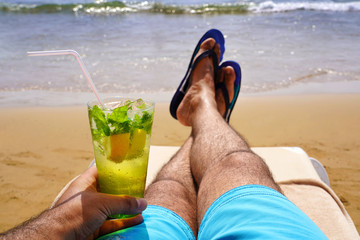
x,y
81,213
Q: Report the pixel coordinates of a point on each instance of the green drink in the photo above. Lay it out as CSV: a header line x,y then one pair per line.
x,y
121,131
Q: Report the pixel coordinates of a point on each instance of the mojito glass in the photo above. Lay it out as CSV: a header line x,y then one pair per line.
x,y
121,131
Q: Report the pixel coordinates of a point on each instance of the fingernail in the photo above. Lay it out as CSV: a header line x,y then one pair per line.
x,y
142,204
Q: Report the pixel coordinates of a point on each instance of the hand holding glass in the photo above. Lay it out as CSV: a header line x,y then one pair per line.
x,y
121,131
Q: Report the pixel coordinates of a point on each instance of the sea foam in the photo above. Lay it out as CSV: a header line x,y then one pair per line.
x,y
270,6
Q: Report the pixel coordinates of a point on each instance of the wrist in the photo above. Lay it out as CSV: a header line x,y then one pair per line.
x,y
47,225
65,221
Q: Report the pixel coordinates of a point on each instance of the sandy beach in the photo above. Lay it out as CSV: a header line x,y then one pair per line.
x,y
42,148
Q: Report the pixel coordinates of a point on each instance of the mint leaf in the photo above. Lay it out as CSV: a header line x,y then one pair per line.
x,y
118,115
146,121
121,127
100,120
143,122
136,122
119,120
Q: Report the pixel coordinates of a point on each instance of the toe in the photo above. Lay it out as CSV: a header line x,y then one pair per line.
x,y
208,44
226,75
220,101
230,78
217,51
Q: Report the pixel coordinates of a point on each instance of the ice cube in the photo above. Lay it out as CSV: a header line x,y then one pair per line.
x,y
139,104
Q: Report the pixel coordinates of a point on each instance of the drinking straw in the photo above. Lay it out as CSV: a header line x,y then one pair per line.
x,y
78,58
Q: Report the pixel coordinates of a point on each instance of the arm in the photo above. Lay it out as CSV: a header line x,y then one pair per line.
x,y
80,213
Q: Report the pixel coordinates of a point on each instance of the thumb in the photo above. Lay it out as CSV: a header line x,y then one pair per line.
x,y
122,204
113,225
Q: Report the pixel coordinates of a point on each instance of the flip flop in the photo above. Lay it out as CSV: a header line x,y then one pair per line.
x,y
180,92
221,85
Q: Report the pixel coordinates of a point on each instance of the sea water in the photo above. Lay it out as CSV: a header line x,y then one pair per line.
x,y
144,47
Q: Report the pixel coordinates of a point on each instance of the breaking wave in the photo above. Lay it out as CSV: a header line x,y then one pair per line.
x,y
118,7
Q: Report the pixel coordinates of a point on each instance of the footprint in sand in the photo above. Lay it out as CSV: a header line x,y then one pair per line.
x,y
27,154
344,200
75,153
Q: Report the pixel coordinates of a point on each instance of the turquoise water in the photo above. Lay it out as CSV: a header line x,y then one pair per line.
x,y
134,48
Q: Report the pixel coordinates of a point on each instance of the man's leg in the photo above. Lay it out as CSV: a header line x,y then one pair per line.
x,y
174,188
237,196
220,158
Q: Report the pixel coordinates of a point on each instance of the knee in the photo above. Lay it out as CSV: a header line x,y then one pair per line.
x,y
252,167
169,189
244,160
174,196
238,169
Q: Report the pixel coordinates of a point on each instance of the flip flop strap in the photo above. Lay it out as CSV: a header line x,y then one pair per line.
x,y
225,93
208,53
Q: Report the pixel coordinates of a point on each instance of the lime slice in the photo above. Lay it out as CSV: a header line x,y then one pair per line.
x,y
119,146
137,143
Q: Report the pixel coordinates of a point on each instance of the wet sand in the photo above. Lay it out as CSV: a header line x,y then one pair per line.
x,y
42,148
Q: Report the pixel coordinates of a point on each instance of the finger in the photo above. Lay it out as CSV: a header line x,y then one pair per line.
x,y
91,171
122,204
78,184
89,175
85,180
113,225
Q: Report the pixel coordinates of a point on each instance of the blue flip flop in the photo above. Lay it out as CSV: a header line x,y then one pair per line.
x,y
183,87
237,84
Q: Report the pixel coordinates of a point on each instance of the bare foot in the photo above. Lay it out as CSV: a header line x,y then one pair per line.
x,y
201,92
226,75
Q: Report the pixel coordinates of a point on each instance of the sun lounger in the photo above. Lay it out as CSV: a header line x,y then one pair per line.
x,y
286,163
303,180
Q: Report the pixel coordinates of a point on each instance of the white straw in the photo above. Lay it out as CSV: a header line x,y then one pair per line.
x,y
78,58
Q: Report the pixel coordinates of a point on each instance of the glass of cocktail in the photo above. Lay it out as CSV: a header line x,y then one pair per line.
x,y
121,130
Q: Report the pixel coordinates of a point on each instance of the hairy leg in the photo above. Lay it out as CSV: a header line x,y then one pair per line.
x,y
174,189
174,186
220,158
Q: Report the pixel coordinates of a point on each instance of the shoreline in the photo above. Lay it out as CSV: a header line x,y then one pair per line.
x,y
52,98
45,147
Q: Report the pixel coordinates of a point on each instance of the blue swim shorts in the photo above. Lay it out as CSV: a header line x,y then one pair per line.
x,y
246,212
